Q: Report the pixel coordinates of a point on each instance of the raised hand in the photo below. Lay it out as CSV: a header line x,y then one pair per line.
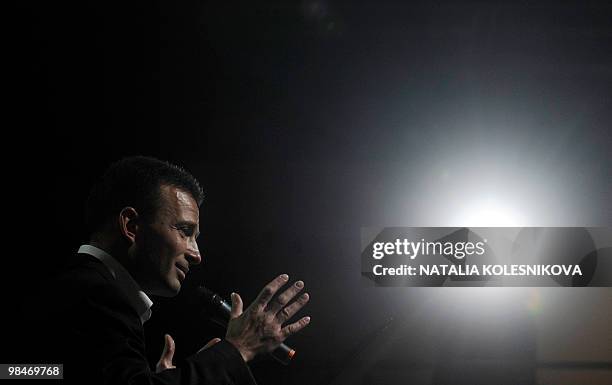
x,y
259,328
165,362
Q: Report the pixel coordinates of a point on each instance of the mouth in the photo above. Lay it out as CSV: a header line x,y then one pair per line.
x,y
182,271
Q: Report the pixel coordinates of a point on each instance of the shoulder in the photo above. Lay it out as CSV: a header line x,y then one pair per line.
x,y
88,303
85,320
80,276
85,268
83,282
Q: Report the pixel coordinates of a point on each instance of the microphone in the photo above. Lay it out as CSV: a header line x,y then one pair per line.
x,y
283,354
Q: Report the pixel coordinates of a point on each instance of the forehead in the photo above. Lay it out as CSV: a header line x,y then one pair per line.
x,y
177,204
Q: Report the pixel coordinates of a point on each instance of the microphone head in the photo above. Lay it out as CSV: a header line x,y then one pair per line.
x,y
213,300
205,294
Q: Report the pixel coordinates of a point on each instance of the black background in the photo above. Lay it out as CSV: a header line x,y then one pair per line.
x,y
294,116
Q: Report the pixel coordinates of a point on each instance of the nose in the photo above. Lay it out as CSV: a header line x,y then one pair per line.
x,y
192,255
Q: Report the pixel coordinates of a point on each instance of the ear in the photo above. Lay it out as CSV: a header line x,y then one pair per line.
x,y
128,223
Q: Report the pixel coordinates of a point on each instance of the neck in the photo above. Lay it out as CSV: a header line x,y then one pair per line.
x,y
120,252
117,250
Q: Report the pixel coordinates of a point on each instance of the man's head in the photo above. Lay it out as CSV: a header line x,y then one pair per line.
x,y
146,213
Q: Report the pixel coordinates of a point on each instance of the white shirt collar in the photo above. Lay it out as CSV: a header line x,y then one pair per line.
x,y
137,298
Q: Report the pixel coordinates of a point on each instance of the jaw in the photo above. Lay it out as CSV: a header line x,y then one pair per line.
x,y
152,282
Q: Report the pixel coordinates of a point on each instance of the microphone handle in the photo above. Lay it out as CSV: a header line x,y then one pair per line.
x,y
283,354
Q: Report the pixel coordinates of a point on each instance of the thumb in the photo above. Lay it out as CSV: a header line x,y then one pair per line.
x,y
165,362
210,343
236,306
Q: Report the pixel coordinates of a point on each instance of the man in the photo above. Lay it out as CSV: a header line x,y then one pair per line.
x,y
144,221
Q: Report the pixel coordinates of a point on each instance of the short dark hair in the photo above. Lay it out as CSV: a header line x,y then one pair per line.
x,y
136,181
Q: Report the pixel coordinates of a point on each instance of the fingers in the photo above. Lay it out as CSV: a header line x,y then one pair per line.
x,y
165,362
169,347
260,328
283,299
269,290
294,327
236,306
290,310
210,343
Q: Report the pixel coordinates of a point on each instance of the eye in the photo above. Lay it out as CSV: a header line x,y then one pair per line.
x,y
187,231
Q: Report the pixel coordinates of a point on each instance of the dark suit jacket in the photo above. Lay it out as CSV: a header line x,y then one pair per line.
x,y
92,329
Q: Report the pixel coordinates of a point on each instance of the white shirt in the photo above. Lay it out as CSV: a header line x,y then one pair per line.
x,y
136,297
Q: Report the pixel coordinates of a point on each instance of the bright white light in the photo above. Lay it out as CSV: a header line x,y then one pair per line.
x,y
477,189
489,213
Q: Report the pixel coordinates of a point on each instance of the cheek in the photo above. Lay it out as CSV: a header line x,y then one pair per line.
x,y
172,248
163,247
160,249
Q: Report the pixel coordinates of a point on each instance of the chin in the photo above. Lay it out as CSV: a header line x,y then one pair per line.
x,y
173,289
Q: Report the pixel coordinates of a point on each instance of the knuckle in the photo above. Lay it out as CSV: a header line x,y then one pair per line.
x,y
286,312
282,300
259,318
268,291
267,319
